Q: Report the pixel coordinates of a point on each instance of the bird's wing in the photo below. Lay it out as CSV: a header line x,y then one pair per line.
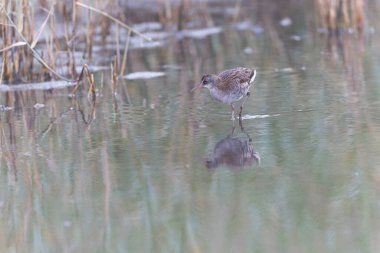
x,y
236,76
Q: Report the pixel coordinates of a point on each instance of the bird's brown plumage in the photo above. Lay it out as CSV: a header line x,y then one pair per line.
x,y
235,76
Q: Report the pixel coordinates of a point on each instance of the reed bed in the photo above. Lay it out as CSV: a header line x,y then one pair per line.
x,y
40,38
44,39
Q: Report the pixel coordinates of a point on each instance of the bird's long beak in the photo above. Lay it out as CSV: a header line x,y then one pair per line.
x,y
197,87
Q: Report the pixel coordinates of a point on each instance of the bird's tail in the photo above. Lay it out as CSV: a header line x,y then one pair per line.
x,y
253,75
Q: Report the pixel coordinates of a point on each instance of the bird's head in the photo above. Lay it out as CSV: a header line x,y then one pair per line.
x,y
207,81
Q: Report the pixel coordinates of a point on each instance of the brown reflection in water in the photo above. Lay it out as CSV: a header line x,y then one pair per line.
x,y
24,122
234,152
347,52
7,145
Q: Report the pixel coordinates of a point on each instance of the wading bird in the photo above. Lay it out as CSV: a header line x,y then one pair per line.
x,y
229,86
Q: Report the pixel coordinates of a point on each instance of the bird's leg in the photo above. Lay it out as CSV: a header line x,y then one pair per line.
x,y
242,104
241,109
233,112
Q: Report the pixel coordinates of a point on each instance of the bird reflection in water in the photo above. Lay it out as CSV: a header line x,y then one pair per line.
x,y
234,152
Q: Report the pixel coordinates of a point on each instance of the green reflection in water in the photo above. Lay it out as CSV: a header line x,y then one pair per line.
x,y
128,172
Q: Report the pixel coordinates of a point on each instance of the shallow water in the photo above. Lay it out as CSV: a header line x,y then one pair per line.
x,y
152,167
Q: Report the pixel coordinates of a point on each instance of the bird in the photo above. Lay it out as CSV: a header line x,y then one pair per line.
x,y
229,86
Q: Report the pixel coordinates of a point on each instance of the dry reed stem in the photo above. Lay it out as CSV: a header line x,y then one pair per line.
x,y
124,62
206,14
2,72
237,11
117,47
68,37
36,38
89,35
113,19
91,90
113,80
90,78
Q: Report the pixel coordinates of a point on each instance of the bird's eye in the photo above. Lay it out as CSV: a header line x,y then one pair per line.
x,y
204,82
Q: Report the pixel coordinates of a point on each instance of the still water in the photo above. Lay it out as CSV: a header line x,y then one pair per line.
x,y
149,166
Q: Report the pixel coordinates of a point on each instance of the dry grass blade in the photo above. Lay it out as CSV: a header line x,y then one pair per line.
x,y
113,19
36,38
17,44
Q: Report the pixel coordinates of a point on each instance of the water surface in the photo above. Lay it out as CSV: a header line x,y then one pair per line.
x,y
149,166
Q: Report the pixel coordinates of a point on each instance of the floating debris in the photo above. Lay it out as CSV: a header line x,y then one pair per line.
x,y
295,38
245,25
65,69
257,29
287,70
38,106
67,223
284,70
144,75
158,39
146,44
248,50
304,110
171,67
36,86
322,30
262,116
286,22
4,108
147,26
200,33
158,35
97,68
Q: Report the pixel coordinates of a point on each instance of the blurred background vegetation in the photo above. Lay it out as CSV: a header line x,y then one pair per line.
x,y
44,39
